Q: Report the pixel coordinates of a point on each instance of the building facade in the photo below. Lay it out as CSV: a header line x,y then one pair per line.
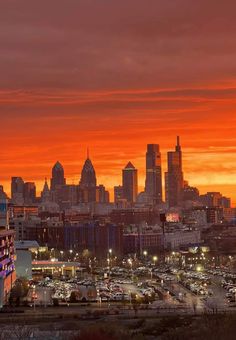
x,y
153,184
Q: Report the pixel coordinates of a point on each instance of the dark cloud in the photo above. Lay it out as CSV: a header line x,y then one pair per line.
x,y
115,44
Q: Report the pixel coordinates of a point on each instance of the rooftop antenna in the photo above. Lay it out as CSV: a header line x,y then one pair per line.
x,y
178,147
178,141
87,153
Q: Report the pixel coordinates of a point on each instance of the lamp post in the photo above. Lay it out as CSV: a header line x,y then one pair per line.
x,y
145,255
163,220
108,263
45,298
154,260
34,295
131,267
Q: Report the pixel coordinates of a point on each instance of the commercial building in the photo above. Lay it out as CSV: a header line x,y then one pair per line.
x,y
17,190
153,184
174,181
58,177
95,237
29,193
130,183
88,183
181,238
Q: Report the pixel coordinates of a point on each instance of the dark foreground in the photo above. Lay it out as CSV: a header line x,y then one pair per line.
x,y
40,325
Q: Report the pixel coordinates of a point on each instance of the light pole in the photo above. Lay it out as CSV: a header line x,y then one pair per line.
x,y
154,260
108,262
145,255
45,297
110,256
131,267
163,220
34,295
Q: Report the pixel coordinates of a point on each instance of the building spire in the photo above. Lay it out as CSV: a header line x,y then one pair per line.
x,y
178,146
87,153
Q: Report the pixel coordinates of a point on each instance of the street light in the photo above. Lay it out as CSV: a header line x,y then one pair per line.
x,y
130,261
154,260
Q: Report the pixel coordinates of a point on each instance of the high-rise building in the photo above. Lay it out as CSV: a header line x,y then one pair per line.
x,y
58,177
45,194
153,184
29,192
174,181
130,183
17,190
102,195
88,182
3,195
118,193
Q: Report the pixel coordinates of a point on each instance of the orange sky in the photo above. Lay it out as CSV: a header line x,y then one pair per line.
x,y
116,126
114,76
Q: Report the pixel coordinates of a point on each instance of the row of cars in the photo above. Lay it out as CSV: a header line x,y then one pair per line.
x,y
226,274
231,290
121,290
197,283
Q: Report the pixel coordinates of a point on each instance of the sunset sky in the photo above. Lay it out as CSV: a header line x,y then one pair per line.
x,y
114,75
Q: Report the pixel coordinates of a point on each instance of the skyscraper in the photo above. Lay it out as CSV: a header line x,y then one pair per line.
x,y
130,182
45,194
58,178
174,176
88,182
17,190
29,192
153,184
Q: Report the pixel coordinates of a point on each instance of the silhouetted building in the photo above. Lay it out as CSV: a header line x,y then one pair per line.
x,y
45,194
130,183
88,182
174,176
66,196
17,190
3,195
225,202
102,195
58,177
190,194
153,184
29,192
118,193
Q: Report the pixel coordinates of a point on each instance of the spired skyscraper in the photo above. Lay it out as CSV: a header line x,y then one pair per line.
x,y
130,183
174,179
88,182
153,184
58,178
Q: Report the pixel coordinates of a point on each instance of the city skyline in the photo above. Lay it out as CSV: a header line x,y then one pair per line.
x,y
89,163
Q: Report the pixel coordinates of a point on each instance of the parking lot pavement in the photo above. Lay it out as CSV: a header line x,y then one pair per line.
x,y
193,301
219,293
